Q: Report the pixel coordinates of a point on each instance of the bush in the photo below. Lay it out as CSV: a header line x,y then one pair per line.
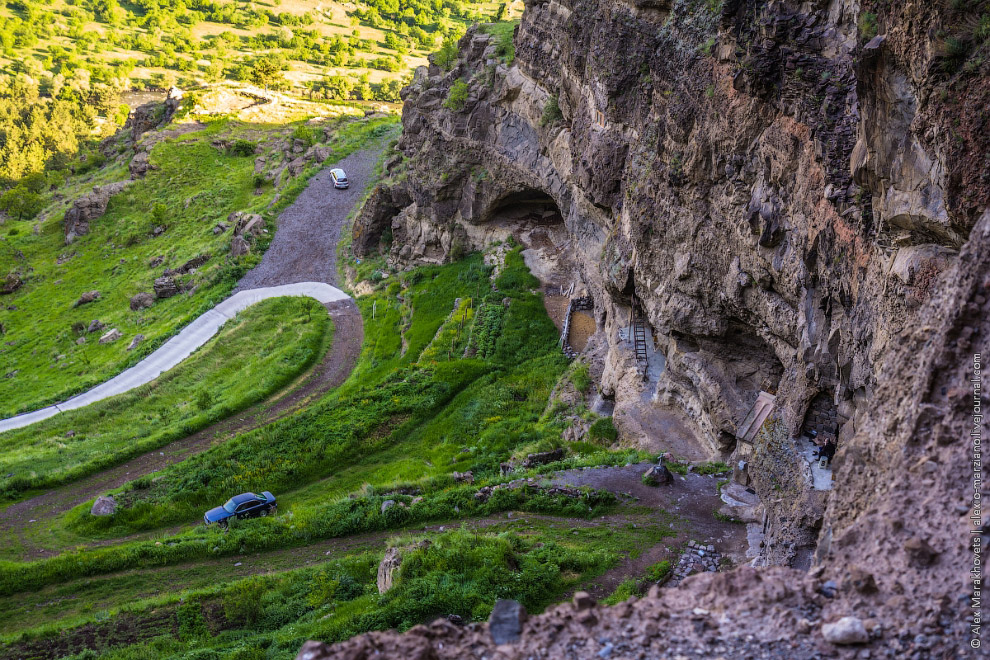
x,y
551,112
446,57
457,96
242,148
603,431
867,24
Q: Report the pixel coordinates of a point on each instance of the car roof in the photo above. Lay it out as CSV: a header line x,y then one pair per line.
x,y
337,171
244,497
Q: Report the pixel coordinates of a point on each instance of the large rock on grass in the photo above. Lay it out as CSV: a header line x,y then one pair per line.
x,y
89,207
141,300
86,298
104,506
165,287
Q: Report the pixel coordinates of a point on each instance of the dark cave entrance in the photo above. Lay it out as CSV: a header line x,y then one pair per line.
x,y
533,219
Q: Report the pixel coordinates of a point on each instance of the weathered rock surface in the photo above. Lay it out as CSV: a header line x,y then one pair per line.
x,y
89,207
86,298
141,300
795,210
104,506
165,287
111,335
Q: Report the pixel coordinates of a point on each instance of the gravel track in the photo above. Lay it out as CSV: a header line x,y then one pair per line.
x,y
305,247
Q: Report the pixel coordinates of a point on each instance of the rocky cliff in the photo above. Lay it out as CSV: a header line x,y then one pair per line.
x,y
794,198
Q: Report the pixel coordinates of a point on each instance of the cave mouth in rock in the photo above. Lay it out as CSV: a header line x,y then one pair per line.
x,y
534,220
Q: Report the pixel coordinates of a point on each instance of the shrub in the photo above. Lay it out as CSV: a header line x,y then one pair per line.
x,y
581,378
457,96
602,431
159,213
867,24
242,148
658,571
551,112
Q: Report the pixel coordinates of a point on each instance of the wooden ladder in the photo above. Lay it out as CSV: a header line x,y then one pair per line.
x,y
639,333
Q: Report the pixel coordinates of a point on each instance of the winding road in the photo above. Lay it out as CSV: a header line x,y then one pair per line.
x,y
301,261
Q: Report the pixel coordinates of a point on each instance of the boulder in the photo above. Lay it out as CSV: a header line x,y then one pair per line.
x,y
386,569
847,630
541,458
463,477
155,262
249,224
86,298
141,300
658,475
239,247
387,504
219,228
11,283
506,621
95,326
134,342
112,335
317,153
104,506
140,165
89,207
165,287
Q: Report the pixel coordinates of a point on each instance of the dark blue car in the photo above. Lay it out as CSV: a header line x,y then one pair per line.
x,y
245,505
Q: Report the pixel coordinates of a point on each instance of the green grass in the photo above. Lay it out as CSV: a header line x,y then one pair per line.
x,y
414,410
462,571
254,355
200,186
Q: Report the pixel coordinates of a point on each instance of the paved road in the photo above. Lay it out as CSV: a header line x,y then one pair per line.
x,y
179,347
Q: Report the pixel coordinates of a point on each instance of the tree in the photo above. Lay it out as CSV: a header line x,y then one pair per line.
x,y
336,88
21,203
267,73
446,57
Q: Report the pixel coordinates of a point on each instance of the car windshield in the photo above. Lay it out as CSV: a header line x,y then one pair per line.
x,y
230,506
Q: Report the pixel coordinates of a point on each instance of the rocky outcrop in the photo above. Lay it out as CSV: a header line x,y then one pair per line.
x,y
12,282
141,300
89,207
104,506
153,115
778,196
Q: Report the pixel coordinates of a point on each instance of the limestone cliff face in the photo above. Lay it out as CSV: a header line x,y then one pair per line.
x,y
781,190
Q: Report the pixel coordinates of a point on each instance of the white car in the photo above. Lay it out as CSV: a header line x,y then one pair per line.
x,y
339,178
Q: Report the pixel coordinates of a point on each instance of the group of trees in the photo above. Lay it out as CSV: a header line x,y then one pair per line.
x,y
162,29
341,88
41,135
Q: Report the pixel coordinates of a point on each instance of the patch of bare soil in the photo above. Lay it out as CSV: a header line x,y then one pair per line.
x,y
582,327
691,499
661,429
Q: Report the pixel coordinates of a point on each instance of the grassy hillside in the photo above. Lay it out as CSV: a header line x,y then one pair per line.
x,y
374,460
255,354
47,350
157,43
